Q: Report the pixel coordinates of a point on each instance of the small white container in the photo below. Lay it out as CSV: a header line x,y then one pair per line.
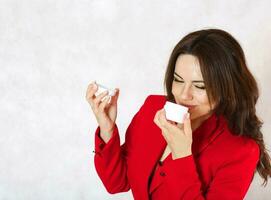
x,y
101,88
175,112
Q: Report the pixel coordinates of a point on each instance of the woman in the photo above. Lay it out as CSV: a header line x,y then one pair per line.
x,y
213,154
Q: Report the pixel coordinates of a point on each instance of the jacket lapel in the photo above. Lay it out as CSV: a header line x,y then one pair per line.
x,y
204,135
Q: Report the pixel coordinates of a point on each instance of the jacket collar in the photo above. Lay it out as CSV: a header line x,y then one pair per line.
x,y
207,132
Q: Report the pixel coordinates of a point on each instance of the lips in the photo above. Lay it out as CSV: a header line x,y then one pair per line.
x,y
189,106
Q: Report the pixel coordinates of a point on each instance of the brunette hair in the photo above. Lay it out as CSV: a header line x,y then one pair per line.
x,y
228,82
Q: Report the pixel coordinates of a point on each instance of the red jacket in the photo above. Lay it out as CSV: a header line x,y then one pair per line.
x,y
221,166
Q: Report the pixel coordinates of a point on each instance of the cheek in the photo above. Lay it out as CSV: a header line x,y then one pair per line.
x,y
202,99
174,90
203,103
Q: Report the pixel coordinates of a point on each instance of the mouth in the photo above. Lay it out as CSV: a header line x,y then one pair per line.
x,y
190,107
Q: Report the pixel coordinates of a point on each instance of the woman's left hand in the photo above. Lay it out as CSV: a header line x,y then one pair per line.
x,y
178,137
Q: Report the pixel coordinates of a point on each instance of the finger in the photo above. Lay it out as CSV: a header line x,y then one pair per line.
x,y
164,121
98,99
165,134
92,88
164,130
172,122
180,125
104,104
114,98
162,118
187,124
156,119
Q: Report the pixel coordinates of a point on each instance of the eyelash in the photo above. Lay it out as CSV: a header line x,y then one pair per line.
x,y
199,87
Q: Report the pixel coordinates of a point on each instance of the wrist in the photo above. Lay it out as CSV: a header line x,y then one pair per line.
x,y
106,135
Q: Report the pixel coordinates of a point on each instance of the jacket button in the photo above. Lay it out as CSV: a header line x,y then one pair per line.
x,y
162,174
101,145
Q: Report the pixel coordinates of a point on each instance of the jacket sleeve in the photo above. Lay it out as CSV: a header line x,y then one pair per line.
x,y
230,182
110,158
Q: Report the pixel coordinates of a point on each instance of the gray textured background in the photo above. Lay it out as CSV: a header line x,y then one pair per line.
x,y
51,49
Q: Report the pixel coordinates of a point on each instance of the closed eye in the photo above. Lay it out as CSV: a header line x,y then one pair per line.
x,y
180,81
200,87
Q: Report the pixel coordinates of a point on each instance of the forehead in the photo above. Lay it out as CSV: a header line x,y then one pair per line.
x,y
187,66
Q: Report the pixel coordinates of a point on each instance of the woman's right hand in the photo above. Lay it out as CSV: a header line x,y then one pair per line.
x,y
105,113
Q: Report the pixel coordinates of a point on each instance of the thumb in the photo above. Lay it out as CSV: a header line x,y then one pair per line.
x,y
187,124
115,97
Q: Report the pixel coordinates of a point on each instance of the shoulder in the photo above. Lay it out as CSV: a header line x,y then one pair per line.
x,y
232,152
151,104
239,148
241,142
154,102
155,99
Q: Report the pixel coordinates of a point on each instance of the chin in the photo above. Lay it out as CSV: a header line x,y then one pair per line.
x,y
194,116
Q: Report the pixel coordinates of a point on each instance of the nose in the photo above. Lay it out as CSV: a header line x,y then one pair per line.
x,y
186,93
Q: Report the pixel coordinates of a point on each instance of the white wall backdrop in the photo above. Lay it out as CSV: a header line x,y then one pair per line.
x,y
51,49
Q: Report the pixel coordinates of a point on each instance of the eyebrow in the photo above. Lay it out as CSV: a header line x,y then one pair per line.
x,y
197,81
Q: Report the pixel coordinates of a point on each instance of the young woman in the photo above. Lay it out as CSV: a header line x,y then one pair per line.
x,y
213,154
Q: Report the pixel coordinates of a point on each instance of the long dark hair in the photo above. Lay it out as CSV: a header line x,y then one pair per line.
x,y
222,61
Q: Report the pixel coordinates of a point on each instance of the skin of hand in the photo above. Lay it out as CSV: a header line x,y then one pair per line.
x,y
178,136
105,112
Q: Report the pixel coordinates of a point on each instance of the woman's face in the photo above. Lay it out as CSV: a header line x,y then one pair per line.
x,y
188,87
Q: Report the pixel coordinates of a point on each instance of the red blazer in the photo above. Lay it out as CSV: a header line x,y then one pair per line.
x,y
221,166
